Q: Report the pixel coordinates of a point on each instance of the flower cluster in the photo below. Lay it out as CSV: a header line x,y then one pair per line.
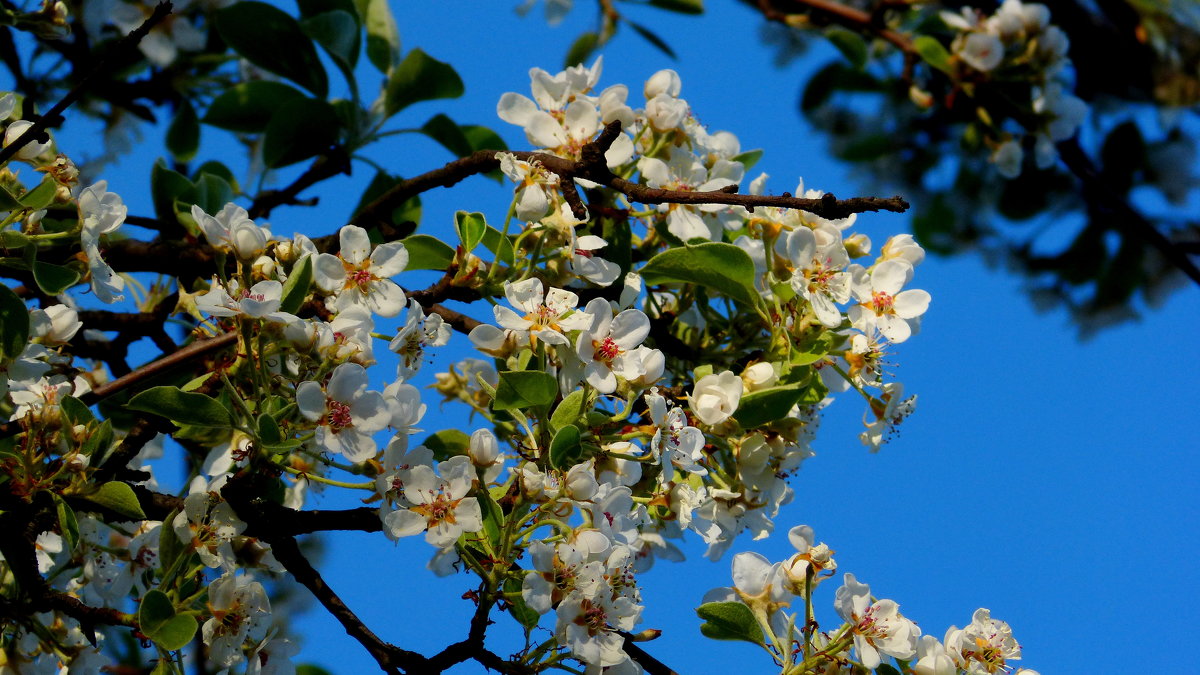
x,y
1019,38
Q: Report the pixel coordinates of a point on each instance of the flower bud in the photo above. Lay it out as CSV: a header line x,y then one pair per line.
x,y
32,149
663,82
484,449
759,376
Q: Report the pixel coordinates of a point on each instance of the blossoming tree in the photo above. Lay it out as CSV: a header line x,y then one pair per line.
x,y
658,349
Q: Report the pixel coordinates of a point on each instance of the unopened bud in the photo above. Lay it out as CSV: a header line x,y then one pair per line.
x,y
857,245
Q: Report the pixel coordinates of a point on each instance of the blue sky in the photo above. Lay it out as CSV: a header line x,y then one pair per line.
x,y
1049,480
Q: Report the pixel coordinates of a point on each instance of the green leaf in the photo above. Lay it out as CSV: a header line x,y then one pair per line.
x,y
300,129
176,633
11,240
581,49
383,39
183,136
427,253
484,138
182,407
410,210
933,53
681,6
721,267
98,443
118,497
295,289
500,245
211,193
653,38
729,621
68,525
249,106
268,430
749,158
420,77
169,545
446,132
886,669
54,279
272,40
310,669
337,32
167,186
493,517
568,411
14,324
75,411
850,44
471,228
8,201
155,610
767,405
196,382
523,389
523,613
41,196
566,450
215,168
447,443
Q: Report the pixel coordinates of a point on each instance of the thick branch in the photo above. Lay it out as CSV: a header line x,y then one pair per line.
x,y
840,14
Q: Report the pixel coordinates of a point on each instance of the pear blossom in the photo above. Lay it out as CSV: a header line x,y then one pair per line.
x,y
558,571
809,561
984,647
818,260
260,301
932,658
588,627
232,230
715,397
547,315
30,150
684,171
606,343
675,443
240,612
360,276
418,332
585,263
346,413
440,505
101,212
536,186
484,451
878,626
54,325
209,524
981,51
882,305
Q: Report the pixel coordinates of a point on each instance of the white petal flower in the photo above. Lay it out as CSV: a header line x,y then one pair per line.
x,y
346,414
878,626
715,397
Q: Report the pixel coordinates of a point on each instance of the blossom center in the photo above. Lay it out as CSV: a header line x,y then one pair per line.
x,y
882,303
607,350
338,417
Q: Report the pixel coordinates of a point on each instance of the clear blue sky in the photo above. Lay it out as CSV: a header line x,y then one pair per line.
x,y
1049,480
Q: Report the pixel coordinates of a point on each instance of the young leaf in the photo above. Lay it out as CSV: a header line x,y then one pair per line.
x,y
54,279
67,523
493,517
721,267
849,43
272,40
176,633
41,196
524,615
155,610
444,130
336,31
471,228
268,430
301,128
522,389
767,405
566,450
182,407
167,186
500,245
447,443
183,136
14,324
653,38
581,49
568,411
729,621
118,497
75,411
427,253
933,53
383,39
247,107
420,77
295,289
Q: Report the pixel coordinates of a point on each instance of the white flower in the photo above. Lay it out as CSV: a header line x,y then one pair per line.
x,y
818,260
484,451
536,187
716,396
818,559
981,51
233,231
30,150
557,572
101,212
54,325
878,626
584,263
418,332
890,410
932,658
209,523
588,627
684,171
361,276
240,611
1008,157
345,412
983,648
663,82
606,344
675,444
882,305
440,505
545,315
